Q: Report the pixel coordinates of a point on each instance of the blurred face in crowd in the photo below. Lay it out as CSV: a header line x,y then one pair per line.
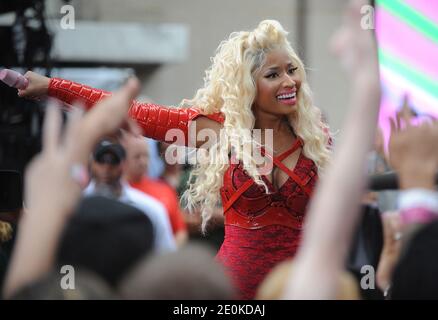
x,y
137,157
107,170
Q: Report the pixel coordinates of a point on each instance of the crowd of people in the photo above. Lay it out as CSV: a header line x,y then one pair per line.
x,y
292,200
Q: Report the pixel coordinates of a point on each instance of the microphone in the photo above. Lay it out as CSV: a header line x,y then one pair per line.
x,y
13,79
386,181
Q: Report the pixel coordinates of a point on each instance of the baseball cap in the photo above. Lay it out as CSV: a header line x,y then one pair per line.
x,y
109,152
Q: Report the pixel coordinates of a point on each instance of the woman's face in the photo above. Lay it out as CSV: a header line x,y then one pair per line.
x,y
277,83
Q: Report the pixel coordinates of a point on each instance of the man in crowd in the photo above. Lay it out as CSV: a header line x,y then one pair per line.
x,y
107,168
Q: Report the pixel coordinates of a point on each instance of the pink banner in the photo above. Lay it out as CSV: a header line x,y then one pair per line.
x,y
428,8
395,36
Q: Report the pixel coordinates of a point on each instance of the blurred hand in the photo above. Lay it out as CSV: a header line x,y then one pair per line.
x,y
52,177
48,180
355,47
413,152
392,235
128,129
370,198
37,87
53,183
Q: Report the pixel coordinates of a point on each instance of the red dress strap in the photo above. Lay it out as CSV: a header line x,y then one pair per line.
x,y
293,176
277,161
237,194
297,144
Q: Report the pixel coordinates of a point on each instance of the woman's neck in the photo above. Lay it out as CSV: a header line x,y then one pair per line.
x,y
283,134
268,121
280,126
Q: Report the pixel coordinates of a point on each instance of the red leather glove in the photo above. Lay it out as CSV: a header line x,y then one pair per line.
x,y
155,120
71,92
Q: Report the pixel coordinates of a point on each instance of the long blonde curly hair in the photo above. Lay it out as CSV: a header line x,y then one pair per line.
x,y
230,88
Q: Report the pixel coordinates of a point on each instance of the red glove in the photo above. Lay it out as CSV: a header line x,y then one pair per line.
x,y
155,120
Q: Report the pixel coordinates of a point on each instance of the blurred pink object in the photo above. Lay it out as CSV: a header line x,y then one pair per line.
x,y
13,79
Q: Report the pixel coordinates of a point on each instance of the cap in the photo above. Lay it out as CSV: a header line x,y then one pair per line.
x,y
109,152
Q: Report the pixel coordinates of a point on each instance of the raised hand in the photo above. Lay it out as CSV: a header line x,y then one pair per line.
x,y
331,220
53,181
413,152
355,46
392,233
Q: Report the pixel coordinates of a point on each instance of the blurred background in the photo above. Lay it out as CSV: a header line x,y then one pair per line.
x,y
167,44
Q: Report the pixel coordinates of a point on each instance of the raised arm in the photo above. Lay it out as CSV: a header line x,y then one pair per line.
x,y
52,187
156,121
418,199
334,209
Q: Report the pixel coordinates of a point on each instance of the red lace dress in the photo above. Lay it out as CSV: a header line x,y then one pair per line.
x,y
262,230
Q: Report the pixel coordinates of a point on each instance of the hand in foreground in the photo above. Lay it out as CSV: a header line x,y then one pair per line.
x,y
53,179
392,236
355,46
61,164
413,152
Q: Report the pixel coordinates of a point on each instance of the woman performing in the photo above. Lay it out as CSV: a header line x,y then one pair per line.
x,y
256,81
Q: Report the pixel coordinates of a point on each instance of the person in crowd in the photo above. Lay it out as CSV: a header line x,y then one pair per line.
x,y
273,286
53,184
413,153
107,168
176,174
187,274
136,166
87,286
106,237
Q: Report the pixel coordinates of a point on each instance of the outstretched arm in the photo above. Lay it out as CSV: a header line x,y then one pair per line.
x,y
157,122
334,210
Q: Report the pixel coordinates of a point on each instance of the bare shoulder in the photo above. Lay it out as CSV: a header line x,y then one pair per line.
x,y
206,123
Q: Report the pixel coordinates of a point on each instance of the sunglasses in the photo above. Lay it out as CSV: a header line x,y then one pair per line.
x,y
108,158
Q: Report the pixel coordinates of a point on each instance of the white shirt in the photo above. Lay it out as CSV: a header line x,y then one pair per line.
x,y
152,208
